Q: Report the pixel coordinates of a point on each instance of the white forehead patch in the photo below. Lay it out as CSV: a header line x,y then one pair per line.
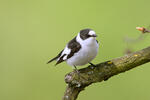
x,y
91,33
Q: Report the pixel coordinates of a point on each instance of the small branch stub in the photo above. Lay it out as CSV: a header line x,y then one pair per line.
x,y
143,30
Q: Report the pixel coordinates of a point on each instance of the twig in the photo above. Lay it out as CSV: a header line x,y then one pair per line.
x,y
132,41
143,30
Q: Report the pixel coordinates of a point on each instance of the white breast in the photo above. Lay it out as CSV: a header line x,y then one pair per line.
x,y
88,51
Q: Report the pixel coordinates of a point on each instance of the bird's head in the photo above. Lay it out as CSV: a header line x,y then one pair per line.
x,y
87,33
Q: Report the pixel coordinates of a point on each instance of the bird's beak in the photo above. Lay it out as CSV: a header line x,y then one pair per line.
x,y
94,35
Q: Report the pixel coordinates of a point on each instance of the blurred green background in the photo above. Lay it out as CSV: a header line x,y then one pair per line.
x,y
34,31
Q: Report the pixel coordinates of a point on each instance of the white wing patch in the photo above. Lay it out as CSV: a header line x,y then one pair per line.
x,y
65,57
66,52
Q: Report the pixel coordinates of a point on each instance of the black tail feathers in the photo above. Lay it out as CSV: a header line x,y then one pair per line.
x,y
55,58
52,60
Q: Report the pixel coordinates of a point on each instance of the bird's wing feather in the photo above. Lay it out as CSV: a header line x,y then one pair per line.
x,y
60,60
63,55
74,46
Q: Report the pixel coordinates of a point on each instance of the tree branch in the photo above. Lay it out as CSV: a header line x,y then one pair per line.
x,y
103,71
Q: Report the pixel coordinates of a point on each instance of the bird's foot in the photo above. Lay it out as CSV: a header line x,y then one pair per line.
x,y
76,70
78,73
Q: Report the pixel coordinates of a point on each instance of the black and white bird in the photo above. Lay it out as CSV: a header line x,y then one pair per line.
x,y
80,50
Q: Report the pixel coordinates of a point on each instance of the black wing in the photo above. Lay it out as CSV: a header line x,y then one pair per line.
x,y
74,46
60,59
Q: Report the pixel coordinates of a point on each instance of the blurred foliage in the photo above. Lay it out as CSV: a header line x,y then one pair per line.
x,y
33,31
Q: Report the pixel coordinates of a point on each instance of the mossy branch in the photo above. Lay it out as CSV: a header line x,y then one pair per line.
x,y
102,71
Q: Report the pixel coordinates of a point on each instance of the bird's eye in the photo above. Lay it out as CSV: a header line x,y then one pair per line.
x,y
88,35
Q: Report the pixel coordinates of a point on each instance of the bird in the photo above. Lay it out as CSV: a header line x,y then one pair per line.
x,y
81,50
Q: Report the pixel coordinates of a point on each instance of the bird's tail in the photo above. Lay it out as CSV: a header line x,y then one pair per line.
x,y
52,60
55,57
